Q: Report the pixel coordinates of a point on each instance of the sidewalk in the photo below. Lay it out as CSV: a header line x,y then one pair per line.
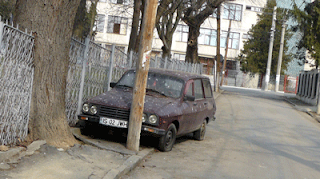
x,y
101,159
304,107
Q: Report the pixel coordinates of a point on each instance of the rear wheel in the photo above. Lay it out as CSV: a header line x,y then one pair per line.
x,y
166,142
200,133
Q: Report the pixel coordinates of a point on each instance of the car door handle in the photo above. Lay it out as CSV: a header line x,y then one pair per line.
x,y
205,103
194,104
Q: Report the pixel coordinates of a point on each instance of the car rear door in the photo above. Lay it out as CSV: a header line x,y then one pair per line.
x,y
200,104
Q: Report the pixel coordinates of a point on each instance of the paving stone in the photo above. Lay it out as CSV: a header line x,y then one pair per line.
x,y
35,146
4,148
4,166
10,153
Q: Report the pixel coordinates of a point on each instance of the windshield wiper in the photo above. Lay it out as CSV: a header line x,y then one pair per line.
x,y
153,90
127,86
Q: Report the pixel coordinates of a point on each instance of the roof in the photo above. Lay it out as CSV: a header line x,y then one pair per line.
x,y
179,74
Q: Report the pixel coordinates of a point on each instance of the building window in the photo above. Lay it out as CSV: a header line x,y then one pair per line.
x,y
99,23
125,2
182,32
246,36
252,8
117,25
231,65
178,56
232,12
207,37
234,39
214,14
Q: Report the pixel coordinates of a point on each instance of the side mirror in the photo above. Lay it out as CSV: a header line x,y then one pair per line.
x,y
113,84
189,98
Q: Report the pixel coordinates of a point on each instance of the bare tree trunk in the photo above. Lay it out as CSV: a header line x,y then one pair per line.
x,y
51,22
192,48
135,26
166,49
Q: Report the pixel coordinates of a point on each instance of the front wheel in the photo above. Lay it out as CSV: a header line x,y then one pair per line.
x,y
166,142
200,133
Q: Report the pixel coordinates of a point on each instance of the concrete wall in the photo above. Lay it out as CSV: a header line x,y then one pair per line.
x,y
308,90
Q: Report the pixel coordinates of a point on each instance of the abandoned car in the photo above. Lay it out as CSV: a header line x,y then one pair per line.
x,y
176,103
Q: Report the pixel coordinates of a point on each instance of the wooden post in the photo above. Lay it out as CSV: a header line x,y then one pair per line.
x,y
142,68
226,54
218,66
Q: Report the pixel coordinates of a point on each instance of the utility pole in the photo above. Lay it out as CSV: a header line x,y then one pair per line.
x,y
226,54
218,62
270,48
276,89
142,68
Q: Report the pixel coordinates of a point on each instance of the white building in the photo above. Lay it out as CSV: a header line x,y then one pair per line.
x,y
114,23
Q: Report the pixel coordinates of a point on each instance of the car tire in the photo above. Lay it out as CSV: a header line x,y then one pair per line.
x,y
200,133
166,142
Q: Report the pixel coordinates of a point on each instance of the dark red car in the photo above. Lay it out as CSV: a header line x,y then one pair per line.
x,y
176,103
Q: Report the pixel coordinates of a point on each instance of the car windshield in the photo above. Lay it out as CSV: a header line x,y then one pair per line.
x,y
156,83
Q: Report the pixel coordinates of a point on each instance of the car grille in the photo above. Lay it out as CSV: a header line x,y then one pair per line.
x,y
114,112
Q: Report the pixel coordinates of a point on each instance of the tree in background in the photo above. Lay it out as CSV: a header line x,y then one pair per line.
x,y
7,9
254,56
51,22
84,20
134,41
168,16
194,14
309,26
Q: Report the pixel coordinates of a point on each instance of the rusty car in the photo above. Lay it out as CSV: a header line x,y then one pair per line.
x,y
176,103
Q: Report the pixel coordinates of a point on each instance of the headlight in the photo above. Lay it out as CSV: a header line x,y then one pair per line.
x,y
153,119
85,108
93,110
144,117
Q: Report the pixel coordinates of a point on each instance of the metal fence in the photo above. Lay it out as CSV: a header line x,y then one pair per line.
x,y
16,78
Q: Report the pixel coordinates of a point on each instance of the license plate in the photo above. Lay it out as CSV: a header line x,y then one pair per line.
x,y
113,122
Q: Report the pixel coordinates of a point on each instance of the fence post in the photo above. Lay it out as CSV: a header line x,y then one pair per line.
x,y
285,83
110,67
130,59
156,62
297,80
83,74
1,31
173,63
165,62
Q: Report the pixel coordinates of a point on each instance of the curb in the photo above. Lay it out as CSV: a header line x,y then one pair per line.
x,y
307,110
128,165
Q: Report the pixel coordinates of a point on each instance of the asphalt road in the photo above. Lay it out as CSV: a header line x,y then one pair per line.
x,y
256,135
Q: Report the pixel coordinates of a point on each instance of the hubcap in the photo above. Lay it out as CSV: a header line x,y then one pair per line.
x,y
168,138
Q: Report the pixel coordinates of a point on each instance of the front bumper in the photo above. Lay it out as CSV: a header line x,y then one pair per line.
x,y
144,128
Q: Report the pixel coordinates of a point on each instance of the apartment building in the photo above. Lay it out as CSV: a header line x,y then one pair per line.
x,y
114,21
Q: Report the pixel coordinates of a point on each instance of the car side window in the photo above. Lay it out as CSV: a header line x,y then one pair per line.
x,y
190,91
207,88
198,89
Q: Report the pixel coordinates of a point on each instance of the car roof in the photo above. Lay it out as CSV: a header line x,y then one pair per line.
x,y
178,74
